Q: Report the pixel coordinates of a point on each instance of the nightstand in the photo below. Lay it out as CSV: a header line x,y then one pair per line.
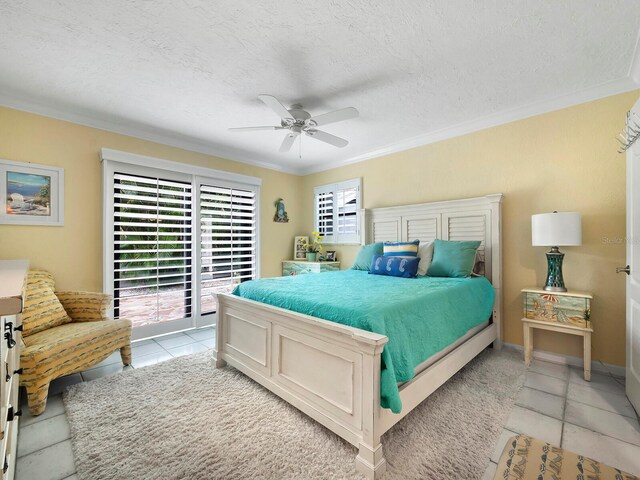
x,y
565,312
299,267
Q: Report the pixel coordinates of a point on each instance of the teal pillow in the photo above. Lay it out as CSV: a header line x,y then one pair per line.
x,y
453,259
365,255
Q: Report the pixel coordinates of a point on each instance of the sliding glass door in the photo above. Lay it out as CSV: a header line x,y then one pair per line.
x,y
172,242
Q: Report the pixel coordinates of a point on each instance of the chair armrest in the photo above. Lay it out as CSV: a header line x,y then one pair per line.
x,y
85,306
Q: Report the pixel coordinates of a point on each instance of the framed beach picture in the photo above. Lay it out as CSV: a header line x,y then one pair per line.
x,y
31,194
300,248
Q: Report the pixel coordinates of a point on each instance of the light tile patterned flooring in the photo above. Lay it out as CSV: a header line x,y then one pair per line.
x,y
592,418
556,405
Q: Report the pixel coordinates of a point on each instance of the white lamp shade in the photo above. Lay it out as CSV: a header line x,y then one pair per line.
x,y
556,229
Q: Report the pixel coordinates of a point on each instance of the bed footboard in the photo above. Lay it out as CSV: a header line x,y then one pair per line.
x,y
327,370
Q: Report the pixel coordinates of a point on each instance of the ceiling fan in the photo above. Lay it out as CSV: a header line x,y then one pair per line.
x,y
299,121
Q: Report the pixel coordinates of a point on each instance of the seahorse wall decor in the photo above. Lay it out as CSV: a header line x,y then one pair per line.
x,y
281,214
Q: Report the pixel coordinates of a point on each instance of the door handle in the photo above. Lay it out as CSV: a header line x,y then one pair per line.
x,y
626,270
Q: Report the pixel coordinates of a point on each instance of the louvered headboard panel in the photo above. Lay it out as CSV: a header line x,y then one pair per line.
x,y
423,228
471,226
386,231
466,219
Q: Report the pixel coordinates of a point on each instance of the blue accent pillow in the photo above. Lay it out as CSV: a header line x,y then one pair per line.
x,y
453,259
365,255
401,249
406,267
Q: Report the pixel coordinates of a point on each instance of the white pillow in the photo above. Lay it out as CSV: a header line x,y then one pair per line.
x,y
425,252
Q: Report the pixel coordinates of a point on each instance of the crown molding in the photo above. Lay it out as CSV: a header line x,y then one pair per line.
x,y
131,129
634,69
500,118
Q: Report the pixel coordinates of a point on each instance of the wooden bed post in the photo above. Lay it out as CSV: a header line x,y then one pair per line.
x,y
217,360
370,460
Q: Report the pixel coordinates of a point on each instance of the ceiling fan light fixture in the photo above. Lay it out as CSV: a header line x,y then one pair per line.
x,y
297,120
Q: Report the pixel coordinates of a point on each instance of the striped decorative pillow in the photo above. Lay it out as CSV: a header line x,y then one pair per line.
x,y
42,309
401,249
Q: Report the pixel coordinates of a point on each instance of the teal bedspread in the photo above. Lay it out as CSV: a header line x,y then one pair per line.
x,y
421,316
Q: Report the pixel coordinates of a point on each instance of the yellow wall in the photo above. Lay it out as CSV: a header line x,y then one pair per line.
x,y
73,253
563,160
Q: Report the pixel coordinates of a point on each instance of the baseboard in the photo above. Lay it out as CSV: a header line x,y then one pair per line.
x,y
596,365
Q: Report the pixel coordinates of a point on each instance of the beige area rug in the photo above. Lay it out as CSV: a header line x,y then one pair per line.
x,y
182,419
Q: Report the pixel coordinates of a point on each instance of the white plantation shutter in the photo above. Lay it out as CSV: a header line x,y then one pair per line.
x,y
324,213
152,244
336,211
174,235
228,243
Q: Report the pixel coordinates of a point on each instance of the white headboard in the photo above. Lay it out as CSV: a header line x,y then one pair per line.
x,y
466,219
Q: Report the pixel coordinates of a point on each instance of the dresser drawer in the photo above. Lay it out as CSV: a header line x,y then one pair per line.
x,y
565,309
290,267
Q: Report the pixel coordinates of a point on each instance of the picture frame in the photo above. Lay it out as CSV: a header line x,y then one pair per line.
x,y
330,256
300,248
31,194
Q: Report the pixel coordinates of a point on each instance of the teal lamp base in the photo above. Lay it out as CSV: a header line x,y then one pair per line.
x,y
555,282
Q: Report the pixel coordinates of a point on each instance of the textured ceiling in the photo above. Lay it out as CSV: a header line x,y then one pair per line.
x,y
184,72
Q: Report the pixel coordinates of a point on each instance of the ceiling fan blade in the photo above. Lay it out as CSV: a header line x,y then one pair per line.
x,y
248,129
335,116
274,104
327,138
287,143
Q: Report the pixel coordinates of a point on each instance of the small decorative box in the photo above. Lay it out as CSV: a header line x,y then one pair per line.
x,y
566,308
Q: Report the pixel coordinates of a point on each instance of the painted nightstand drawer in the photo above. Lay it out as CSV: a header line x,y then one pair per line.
x,y
292,267
566,308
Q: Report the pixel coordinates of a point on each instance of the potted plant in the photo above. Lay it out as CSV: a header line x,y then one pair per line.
x,y
313,247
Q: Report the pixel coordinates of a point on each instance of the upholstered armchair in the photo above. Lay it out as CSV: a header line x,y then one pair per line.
x,y
65,333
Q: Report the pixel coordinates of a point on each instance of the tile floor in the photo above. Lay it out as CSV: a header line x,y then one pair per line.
x,y
593,418
44,445
555,404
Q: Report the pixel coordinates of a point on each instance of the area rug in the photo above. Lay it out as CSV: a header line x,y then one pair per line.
x,y
182,419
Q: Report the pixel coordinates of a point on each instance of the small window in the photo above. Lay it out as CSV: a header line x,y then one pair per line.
x,y
336,211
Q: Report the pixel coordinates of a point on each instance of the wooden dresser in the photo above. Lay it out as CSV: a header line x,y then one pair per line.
x,y
12,279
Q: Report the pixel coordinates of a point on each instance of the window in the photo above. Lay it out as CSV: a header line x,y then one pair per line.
x,y
174,236
336,211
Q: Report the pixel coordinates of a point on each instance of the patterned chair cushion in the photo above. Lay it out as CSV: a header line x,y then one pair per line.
x,y
42,308
71,348
526,458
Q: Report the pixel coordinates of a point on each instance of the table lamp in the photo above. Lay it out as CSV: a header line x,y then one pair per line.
x,y
557,229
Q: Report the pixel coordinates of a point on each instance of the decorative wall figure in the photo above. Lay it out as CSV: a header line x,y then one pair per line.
x,y
281,214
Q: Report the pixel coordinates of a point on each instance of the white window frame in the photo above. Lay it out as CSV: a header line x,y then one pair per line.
x,y
115,160
336,238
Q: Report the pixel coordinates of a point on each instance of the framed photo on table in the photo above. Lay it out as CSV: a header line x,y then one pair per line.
x,y
330,256
300,248
31,194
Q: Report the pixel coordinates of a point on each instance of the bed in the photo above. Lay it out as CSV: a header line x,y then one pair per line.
x,y
356,381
